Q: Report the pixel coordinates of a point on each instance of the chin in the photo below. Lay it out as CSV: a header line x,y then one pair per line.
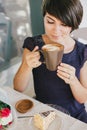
x,y
55,39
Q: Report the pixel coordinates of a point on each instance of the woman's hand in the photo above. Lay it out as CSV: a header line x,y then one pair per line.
x,y
32,57
66,72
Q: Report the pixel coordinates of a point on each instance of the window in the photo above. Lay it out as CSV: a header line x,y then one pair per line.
x,y
14,27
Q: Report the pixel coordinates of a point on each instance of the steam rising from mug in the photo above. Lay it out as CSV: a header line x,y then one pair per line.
x,y
53,55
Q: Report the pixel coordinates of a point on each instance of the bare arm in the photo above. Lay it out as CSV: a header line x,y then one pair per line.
x,y
30,60
78,88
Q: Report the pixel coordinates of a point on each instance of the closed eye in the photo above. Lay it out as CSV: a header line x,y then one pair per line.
x,y
50,22
63,24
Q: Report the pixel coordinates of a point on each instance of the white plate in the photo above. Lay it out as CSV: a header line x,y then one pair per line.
x,y
55,125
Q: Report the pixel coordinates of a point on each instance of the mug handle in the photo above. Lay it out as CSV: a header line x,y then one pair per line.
x,y
41,53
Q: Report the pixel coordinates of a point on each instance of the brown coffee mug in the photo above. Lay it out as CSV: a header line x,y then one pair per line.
x,y
53,55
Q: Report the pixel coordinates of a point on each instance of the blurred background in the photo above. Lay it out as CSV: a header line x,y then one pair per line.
x,y
18,20
16,23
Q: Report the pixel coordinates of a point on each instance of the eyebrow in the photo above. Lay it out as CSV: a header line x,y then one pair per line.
x,y
50,18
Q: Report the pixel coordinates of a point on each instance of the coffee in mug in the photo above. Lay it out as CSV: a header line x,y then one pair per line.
x,y
53,55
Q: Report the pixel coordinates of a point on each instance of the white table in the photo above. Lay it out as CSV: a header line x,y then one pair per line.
x,y
67,122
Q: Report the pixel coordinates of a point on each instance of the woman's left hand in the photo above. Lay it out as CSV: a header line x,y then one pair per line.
x,y
66,72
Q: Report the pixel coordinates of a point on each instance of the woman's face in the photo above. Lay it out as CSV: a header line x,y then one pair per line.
x,y
55,29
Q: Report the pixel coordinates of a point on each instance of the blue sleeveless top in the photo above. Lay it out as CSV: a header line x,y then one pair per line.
x,y
49,88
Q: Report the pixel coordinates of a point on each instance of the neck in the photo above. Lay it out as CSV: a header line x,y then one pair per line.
x,y
69,45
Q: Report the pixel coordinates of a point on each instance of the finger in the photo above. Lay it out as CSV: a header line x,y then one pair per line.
x,y
66,66
35,49
36,55
63,74
35,58
63,69
67,80
36,64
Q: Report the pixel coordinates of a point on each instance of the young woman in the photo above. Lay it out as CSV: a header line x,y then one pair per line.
x,y
67,86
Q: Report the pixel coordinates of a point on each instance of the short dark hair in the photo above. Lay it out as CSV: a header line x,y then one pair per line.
x,y
70,12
